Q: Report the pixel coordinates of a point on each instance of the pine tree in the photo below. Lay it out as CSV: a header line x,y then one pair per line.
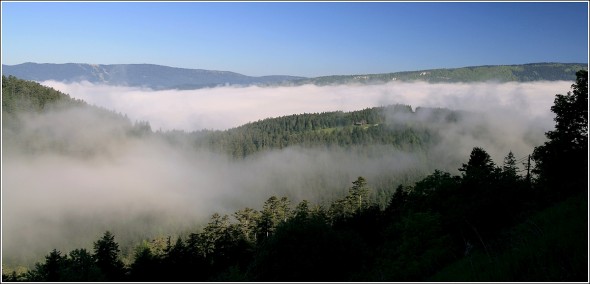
x,y
106,257
479,169
359,194
509,169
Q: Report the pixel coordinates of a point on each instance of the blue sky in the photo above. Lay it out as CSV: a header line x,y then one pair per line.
x,y
296,38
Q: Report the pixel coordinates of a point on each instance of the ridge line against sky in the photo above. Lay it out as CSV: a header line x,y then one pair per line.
x,y
308,39
401,71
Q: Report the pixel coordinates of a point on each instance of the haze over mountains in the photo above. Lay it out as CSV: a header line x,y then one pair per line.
x,y
152,76
160,77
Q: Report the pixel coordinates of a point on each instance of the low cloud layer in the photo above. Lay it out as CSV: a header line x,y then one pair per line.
x,y
141,186
227,107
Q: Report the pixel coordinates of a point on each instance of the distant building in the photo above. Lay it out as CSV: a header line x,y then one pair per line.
x,y
362,122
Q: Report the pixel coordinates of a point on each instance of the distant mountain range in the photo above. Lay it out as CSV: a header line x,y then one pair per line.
x,y
163,77
137,75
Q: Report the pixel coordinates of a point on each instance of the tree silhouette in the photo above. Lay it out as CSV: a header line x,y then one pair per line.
x,y
106,256
82,267
562,162
53,269
480,167
145,267
509,169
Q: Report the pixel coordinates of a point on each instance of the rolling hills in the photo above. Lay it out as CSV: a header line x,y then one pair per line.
x,y
160,77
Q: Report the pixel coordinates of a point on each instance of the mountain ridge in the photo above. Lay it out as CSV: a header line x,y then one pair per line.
x,y
136,75
543,71
160,77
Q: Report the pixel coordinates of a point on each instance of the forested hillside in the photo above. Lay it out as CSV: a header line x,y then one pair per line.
x,y
496,73
24,96
396,125
489,222
25,101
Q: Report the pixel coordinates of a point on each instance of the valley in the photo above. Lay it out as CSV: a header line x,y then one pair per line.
x,y
96,169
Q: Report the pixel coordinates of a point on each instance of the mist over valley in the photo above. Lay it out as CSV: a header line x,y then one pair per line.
x,y
137,162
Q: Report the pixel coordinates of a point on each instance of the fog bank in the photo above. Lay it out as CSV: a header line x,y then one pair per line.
x,y
227,107
87,174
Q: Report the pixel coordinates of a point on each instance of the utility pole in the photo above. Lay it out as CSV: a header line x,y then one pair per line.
x,y
528,170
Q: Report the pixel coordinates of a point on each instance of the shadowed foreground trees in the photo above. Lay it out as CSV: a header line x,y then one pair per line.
x,y
106,257
562,162
439,221
103,265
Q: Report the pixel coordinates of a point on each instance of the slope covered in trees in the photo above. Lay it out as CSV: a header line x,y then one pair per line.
x,y
497,73
25,102
23,97
395,125
489,223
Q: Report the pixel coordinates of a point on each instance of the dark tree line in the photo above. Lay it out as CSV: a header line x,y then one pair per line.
x,y
79,265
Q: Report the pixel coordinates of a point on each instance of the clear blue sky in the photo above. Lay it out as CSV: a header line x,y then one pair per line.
x,y
296,38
